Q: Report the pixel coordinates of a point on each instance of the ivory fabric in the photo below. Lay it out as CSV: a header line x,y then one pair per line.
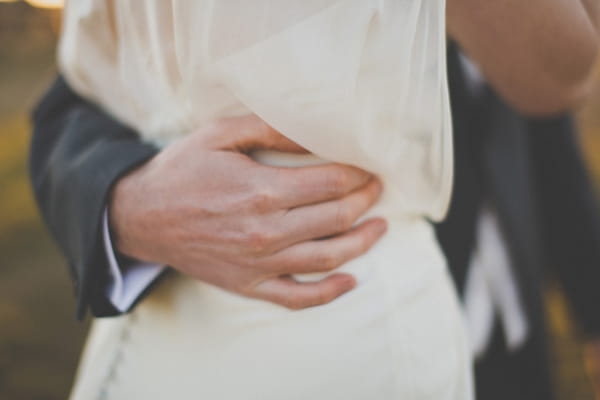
x,y
361,82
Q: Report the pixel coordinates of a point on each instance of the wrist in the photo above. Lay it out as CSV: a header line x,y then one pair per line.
x,y
123,208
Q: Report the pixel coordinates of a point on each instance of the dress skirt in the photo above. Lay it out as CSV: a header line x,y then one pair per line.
x,y
398,335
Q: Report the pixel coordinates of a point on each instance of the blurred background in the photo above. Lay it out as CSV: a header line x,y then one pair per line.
x,y
40,340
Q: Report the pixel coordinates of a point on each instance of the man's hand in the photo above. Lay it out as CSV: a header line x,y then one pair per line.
x,y
208,210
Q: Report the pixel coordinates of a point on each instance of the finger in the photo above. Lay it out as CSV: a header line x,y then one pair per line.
x,y
248,133
328,218
327,254
282,229
295,187
294,295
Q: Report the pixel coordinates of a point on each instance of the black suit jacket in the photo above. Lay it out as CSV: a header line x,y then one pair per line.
x,y
532,173
78,153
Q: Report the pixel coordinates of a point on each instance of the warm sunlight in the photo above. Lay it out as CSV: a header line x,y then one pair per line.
x,y
40,3
46,3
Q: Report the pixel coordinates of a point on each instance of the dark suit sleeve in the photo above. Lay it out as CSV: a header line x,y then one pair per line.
x,y
569,217
77,154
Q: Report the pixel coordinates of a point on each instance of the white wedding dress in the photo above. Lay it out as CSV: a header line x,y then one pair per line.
x,y
361,82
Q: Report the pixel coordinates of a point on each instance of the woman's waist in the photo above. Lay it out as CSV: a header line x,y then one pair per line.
x,y
409,240
408,255
404,262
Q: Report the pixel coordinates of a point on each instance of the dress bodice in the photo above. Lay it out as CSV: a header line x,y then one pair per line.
x,y
361,82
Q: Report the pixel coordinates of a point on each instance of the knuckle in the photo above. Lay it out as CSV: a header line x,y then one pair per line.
x,y
257,241
325,262
338,182
343,217
254,237
262,200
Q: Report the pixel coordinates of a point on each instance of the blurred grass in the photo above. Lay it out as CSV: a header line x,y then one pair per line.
x,y
16,205
40,339
572,382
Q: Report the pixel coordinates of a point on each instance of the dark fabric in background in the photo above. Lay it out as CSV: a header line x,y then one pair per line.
x,y
532,173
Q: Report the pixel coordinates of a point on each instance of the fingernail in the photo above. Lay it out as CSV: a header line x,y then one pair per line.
x,y
381,225
350,282
379,187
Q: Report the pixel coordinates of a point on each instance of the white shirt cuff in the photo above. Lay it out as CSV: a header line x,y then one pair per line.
x,y
126,285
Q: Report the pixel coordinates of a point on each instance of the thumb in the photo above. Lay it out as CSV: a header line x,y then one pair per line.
x,y
248,133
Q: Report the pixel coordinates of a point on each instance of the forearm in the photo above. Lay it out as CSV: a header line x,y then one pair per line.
x,y
77,153
538,54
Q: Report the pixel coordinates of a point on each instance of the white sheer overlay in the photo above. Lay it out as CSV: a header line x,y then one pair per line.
x,y
361,82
